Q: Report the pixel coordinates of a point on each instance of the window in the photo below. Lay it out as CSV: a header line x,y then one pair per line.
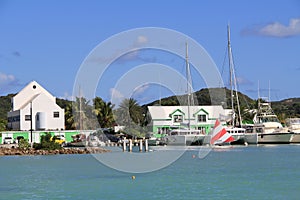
x,y
201,118
177,118
27,117
56,114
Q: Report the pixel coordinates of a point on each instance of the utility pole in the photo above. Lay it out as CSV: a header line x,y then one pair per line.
x,y
31,124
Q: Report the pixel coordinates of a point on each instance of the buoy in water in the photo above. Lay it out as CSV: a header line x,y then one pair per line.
x,y
193,156
132,177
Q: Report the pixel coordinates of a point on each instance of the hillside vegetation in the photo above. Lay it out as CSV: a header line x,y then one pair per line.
x,y
102,111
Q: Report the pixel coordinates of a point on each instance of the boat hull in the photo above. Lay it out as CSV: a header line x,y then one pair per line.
x,y
274,138
184,140
296,138
251,138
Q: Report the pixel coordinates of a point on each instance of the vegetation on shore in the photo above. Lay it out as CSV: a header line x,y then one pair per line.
x,y
85,114
46,143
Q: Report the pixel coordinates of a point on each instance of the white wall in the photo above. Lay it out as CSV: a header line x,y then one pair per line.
x,y
43,104
27,93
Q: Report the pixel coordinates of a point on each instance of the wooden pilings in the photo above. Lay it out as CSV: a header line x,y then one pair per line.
x,y
139,143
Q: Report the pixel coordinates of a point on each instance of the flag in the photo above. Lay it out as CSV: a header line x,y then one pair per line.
x,y
220,135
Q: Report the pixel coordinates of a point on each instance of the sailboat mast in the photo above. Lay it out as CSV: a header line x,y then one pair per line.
x,y
233,84
188,83
231,76
80,110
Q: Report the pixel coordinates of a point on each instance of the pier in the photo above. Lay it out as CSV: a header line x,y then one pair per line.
x,y
142,144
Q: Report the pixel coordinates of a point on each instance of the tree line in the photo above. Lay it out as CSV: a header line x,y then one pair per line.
x,y
96,113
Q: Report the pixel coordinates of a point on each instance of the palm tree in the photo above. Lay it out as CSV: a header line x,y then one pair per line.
x,y
129,112
130,115
103,112
69,117
84,118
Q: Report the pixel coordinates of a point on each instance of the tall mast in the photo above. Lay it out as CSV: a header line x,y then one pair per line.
x,y
80,110
269,99
233,84
188,76
258,94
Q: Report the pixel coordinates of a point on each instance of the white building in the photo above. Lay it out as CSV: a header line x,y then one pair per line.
x,y
165,118
35,100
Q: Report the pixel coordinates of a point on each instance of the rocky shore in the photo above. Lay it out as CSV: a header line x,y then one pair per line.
x,y
17,151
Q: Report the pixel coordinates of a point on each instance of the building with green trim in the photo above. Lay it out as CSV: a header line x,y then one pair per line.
x,y
165,118
36,135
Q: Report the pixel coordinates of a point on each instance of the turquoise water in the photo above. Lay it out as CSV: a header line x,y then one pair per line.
x,y
253,172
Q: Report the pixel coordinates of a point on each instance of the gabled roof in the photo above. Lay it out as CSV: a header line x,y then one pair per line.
x,y
176,111
30,100
28,93
163,112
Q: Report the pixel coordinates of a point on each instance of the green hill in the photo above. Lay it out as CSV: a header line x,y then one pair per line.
x,y
203,97
284,109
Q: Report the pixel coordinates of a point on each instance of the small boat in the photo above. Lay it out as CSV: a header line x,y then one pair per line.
x,y
94,141
219,136
79,140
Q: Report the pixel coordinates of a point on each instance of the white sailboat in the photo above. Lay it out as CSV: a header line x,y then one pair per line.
x,y
235,129
187,136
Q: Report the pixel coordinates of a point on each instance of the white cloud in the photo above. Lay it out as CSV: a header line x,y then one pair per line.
x,y
142,39
128,53
243,81
67,96
141,89
6,79
7,82
276,29
115,94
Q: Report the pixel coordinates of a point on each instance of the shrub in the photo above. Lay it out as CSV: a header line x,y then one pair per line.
x,y
23,144
46,143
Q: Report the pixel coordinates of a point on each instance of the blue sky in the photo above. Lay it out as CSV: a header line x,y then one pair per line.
x,y
47,41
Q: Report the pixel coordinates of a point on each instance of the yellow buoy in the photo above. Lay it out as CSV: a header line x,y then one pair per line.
x,y
132,177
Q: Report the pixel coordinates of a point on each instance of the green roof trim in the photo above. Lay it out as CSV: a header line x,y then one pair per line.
x,y
200,111
177,110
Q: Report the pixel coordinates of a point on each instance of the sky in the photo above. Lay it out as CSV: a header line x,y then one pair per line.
x,y
50,42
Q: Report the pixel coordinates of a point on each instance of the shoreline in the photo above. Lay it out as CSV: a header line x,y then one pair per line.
x,y
4,151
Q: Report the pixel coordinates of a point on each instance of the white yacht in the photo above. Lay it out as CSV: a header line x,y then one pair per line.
x,y
293,125
268,127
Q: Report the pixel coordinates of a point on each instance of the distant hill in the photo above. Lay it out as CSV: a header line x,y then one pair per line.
x,y
287,108
284,109
203,97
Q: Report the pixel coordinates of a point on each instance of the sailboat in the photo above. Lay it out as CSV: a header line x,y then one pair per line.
x,y
185,136
235,128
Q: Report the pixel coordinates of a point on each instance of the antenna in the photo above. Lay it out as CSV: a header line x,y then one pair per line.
x,y
258,95
269,92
